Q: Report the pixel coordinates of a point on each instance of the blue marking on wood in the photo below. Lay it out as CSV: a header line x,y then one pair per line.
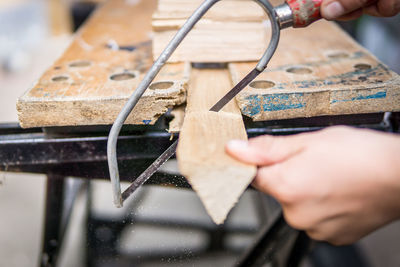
x,y
378,95
273,102
146,122
253,106
257,104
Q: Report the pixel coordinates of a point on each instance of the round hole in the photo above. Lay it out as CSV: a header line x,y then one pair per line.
x,y
122,76
59,78
299,70
338,55
80,64
161,85
362,66
262,84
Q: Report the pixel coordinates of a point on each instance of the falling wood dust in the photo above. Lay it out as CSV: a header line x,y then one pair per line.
x,y
218,179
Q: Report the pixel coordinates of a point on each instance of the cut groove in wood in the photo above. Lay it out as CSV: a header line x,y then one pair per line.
x,y
218,179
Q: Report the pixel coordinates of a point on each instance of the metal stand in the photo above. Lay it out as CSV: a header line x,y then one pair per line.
x,y
81,152
52,220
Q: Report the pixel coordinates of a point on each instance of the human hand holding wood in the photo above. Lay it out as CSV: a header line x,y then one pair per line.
x,y
338,184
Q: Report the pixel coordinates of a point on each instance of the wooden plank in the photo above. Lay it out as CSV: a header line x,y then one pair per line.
x,y
211,41
227,10
230,31
218,179
92,80
175,124
318,71
59,17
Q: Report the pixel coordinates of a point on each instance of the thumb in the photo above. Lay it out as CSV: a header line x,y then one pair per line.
x,y
269,180
265,150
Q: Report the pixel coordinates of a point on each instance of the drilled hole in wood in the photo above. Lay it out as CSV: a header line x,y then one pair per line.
x,y
263,84
161,85
59,78
80,64
299,70
338,55
122,76
362,66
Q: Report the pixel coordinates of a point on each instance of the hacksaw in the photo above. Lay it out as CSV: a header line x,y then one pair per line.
x,y
293,13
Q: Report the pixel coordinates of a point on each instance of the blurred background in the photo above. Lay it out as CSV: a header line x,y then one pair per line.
x,y
32,35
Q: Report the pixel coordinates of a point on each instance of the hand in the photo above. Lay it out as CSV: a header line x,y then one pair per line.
x,y
352,9
338,184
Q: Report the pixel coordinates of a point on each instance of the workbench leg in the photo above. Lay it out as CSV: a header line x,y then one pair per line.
x,y
271,240
52,220
395,120
301,248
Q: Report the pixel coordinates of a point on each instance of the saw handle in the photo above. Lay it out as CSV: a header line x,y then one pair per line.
x,y
304,12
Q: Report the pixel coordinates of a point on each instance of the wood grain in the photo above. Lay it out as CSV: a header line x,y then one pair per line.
x,y
218,179
92,80
211,41
60,17
178,114
232,30
78,89
318,71
226,10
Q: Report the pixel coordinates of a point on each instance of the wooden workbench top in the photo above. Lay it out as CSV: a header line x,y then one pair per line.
x,y
316,71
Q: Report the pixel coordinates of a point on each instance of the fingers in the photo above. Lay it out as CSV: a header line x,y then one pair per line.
x,y
352,9
268,180
274,181
352,15
331,10
336,231
386,8
335,9
265,150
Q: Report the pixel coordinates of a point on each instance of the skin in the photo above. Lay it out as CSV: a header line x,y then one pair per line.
x,y
352,9
337,184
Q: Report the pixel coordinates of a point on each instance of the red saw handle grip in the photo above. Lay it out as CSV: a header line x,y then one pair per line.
x,y
304,12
